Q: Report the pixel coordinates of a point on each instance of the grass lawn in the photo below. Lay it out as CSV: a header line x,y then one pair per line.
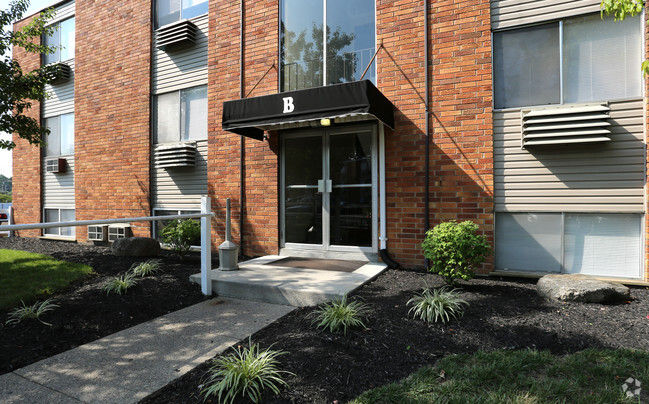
x,y
589,376
28,276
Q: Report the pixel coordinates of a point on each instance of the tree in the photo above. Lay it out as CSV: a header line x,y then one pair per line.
x,y
620,10
18,87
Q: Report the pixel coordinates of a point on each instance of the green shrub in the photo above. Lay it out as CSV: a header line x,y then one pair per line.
x,y
247,373
180,234
120,284
437,304
147,268
455,249
34,311
339,313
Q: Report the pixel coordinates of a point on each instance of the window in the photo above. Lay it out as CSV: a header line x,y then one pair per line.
x,y
181,115
581,59
348,41
60,141
168,11
584,243
59,215
63,40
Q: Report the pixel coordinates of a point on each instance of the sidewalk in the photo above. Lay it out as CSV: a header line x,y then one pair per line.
x,y
129,365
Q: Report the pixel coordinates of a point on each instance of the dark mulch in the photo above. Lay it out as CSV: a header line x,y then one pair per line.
x,y
504,314
86,312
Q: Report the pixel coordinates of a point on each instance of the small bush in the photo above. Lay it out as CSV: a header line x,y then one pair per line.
x,y
34,311
147,268
180,234
455,249
339,314
437,304
247,372
120,284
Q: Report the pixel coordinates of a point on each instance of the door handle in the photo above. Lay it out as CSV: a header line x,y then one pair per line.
x,y
321,186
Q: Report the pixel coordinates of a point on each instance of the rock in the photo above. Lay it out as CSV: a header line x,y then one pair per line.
x,y
581,288
136,247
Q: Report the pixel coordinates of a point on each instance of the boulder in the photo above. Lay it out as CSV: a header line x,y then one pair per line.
x,y
581,288
136,247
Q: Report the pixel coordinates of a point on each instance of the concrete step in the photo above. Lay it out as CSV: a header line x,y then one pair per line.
x,y
261,281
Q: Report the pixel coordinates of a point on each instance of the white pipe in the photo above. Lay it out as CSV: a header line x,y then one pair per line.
x,y
382,215
50,225
206,245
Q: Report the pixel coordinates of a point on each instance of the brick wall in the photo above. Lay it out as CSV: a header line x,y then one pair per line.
x,y
27,158
112,114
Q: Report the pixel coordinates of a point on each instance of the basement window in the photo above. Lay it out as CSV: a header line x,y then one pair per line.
x,y
63,40
576,60
58,215
181,115
168,11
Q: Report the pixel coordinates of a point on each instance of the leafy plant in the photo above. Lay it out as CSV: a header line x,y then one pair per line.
x,y
437,304
180,234
247,372
147,268
34,311
120,284
454,249
339,313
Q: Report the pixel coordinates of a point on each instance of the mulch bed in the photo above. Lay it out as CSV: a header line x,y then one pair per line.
x,y
86,312
503,314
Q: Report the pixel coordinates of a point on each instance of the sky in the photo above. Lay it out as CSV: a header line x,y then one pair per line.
x,y
34,6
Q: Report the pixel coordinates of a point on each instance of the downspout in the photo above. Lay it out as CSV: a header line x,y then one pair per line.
x,y
427,114
242,150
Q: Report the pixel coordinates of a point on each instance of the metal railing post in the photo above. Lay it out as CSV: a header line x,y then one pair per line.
x,y
206,246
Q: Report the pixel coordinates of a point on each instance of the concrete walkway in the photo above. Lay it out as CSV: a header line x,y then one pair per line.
x,y
131,364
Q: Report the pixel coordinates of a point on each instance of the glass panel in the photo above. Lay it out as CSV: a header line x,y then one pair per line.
x,y
303,160
67,215
194,8
53,41
526,66
528,241
303,216
195,113
167,11
53,147
301,43
602,59
67,134
350,158
51,215
67,39
605,245
351,216
350,39
167,110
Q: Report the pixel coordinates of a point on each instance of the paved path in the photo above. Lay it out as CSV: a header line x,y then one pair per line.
x,y
129,365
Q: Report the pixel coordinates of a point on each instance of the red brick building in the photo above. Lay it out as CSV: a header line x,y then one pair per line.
x,y
528,120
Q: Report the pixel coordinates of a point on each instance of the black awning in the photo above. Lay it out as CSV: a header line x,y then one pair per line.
x,y
250,116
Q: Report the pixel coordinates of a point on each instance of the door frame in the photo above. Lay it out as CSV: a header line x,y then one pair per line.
x,y
324,133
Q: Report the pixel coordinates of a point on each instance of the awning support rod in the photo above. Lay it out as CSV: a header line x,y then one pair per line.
x,y
259,81
372,60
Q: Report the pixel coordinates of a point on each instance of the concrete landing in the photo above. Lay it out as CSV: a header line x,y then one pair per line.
x,y
261,281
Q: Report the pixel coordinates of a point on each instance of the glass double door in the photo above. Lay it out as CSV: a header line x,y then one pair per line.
x,y
328,189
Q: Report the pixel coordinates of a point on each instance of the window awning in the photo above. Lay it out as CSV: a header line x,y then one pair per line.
x,y
251,116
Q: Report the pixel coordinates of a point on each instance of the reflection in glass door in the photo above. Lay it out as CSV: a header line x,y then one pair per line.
x,y
329,193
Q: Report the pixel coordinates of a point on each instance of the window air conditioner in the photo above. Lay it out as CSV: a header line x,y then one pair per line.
x,y
177,35
175,155
116,231
98,232
63,73
55,165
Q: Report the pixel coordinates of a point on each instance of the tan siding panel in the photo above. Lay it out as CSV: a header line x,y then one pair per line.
x,y
182,68
63,12
607,177
181,188
61,97
58,189
511,13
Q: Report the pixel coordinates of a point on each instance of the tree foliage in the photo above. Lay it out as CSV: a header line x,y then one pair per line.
x,y
622,9
18,87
